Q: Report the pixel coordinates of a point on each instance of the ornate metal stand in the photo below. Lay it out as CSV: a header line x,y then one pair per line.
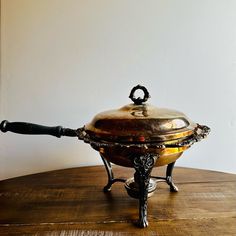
x,y
110,175
142,185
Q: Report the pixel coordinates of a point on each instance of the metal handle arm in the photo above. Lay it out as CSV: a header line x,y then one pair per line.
x,y
35,129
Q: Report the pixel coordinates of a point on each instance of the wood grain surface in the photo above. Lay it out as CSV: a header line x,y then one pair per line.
x,y
71,202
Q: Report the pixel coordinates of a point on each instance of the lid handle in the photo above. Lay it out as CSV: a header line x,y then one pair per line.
x,y
139,100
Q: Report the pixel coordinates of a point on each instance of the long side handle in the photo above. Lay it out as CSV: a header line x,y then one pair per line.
x,y
35,129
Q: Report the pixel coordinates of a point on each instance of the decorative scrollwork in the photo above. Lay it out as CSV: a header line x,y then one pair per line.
x,y
143,166
144,163
200,132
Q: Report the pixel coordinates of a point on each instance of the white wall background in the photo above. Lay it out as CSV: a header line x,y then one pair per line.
x,y
65,61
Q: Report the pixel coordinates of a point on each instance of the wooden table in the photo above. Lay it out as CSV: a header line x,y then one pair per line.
x,y
71,202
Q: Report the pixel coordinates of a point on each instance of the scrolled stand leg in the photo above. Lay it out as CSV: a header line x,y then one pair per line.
x,y
169,180
110,176
143,166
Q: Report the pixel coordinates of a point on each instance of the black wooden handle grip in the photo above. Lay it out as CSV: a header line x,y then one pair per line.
x,y
34,129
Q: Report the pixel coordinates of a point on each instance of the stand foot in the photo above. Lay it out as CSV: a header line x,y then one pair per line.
x,y
107,188
169,180
111,180
143,222
143,166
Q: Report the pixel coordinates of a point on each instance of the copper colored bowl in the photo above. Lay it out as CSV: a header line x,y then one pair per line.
x,y
138,128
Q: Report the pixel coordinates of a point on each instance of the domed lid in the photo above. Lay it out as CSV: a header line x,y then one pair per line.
x,y
139,123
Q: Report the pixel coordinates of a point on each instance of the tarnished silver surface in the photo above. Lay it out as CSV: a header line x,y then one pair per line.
x,y
199,133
